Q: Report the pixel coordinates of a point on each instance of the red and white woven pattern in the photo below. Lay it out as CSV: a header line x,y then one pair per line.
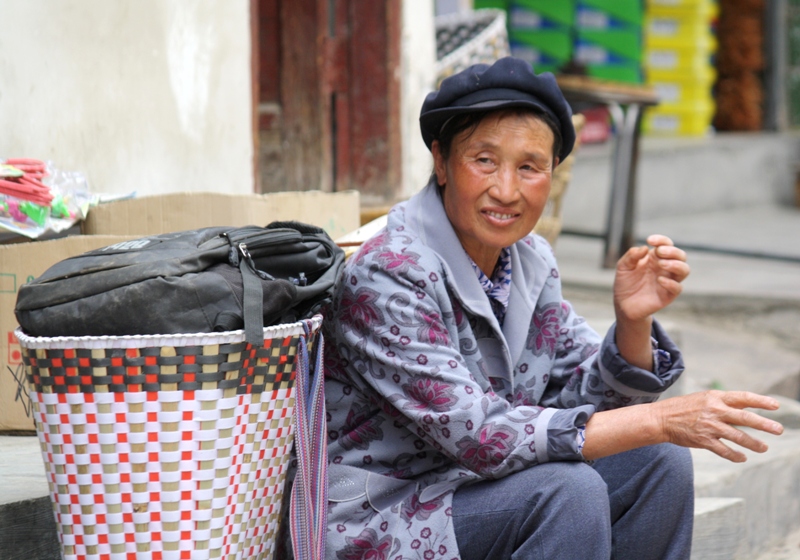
x,y
164,473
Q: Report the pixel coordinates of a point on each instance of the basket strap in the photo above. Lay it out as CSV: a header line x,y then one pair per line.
x,y
309,500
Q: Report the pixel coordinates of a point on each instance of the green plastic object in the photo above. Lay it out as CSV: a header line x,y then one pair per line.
x,y
555,45
550,13
628,73
493,4
35,212
538,60
59,208
621,12
611,46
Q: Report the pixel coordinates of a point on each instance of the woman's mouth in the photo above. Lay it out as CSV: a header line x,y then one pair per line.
x,y
499,215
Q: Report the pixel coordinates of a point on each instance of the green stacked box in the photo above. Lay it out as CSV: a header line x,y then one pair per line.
x,y
608,38
540,32
494,4
541,14
609,14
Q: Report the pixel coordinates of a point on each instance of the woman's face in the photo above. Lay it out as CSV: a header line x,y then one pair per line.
x,y
496,182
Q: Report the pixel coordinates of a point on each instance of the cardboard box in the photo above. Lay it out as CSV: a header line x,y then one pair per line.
x,y
20,263
336,213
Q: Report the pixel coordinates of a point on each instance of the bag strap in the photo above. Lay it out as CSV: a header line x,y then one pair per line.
x,y
252,292
309,501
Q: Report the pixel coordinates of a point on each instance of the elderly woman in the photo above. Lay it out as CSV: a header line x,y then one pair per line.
x,y
472,413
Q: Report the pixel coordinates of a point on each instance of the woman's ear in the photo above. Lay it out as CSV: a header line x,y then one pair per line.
x,y
439,164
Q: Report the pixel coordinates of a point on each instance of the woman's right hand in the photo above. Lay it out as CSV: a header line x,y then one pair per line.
x,y
703,419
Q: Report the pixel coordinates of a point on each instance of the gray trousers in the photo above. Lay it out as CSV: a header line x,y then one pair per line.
x,y
634,505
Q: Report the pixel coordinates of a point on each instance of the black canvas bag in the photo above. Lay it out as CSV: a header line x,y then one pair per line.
x,y
204,280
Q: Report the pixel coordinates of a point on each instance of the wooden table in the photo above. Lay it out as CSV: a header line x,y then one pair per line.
x,y
627,103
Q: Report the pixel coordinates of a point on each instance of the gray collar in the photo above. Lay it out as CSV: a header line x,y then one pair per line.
x,y
425,214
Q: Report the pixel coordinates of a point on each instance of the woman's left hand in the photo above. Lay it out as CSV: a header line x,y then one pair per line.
x,y
649,278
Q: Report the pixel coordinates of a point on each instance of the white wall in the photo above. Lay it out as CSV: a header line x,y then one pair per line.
x,y
145,95
418,79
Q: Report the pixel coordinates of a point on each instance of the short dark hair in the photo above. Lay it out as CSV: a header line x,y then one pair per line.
x,y
470,121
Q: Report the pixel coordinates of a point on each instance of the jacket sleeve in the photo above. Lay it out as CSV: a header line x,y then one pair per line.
x,y
398,331
589,369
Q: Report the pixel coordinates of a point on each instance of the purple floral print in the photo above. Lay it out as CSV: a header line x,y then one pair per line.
x,y
544,330
366,546
432,330
489,449
369,246
359,311
399,263
362,427
413,508
425,393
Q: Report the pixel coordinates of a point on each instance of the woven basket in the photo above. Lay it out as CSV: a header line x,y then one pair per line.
x,y
467,38
166,447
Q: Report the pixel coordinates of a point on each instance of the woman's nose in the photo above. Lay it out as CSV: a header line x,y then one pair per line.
x,y
505,188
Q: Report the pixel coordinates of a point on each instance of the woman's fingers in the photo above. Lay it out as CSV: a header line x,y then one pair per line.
x,y
631,258
674,287
743,439
670,252
668,258
704,419
746,399
752,420
716,446
678,276
658,240
734,403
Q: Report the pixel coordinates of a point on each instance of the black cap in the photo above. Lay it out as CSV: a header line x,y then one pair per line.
x,y
509,82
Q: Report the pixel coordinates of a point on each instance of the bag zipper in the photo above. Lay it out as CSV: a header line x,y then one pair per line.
x,y
258,237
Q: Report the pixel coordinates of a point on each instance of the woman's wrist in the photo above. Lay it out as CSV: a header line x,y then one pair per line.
x,y
633,340
622,429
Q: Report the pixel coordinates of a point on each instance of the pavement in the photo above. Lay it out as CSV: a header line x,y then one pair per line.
x,y
763,231
738,318
738,323
789,550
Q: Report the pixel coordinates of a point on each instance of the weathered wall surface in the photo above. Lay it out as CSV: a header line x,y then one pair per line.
x,y
419,78
145,95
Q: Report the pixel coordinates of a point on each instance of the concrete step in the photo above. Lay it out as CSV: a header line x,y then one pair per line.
x,y
750,345
769,483
718,524
679,176
741,510
27,526
788,550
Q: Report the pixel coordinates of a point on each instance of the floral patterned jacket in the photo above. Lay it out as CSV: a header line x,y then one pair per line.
x,y
425,391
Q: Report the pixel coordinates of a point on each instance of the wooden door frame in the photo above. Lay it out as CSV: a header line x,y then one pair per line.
x,y
338,102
